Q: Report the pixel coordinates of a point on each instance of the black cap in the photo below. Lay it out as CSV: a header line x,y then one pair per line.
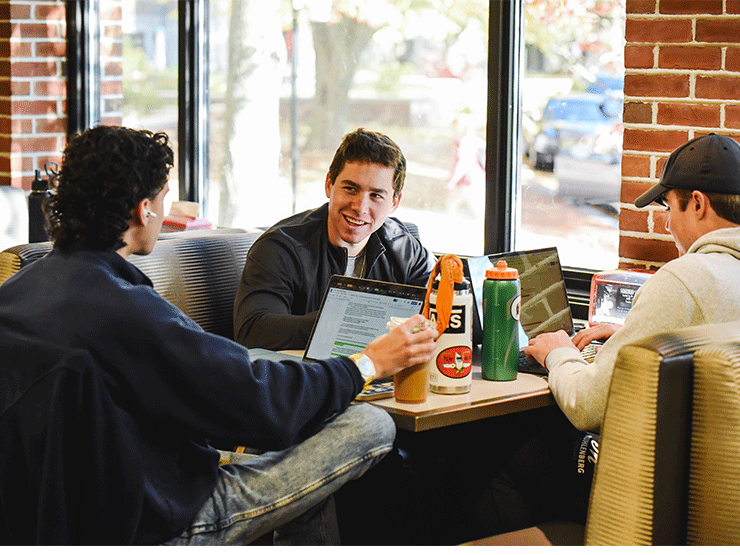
x,y
710,164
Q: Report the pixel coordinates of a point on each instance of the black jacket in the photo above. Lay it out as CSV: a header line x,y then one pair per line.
x,y
84,335
289,267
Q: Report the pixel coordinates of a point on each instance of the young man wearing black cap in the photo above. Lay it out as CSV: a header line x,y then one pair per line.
x,y
700,187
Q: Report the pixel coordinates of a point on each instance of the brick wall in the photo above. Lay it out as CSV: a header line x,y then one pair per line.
x,y
682,80
32,88
33,83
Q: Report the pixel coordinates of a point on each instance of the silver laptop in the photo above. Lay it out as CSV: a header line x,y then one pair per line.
x,y
355,311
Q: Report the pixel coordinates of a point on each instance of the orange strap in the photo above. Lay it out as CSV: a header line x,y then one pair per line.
x,y
449,267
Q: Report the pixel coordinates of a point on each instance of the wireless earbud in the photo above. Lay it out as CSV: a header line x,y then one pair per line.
x,y
150,213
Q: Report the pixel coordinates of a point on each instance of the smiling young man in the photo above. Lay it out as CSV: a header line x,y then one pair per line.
x,y
289,266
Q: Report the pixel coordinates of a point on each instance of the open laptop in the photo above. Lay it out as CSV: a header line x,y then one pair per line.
x,y
544,306
355,311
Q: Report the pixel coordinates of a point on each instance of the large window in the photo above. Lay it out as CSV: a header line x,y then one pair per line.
x,y
267,90
571,110
289,79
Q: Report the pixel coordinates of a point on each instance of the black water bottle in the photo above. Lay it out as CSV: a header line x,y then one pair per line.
x,y
36,217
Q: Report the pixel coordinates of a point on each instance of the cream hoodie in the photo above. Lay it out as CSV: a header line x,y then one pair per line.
x,y
700,287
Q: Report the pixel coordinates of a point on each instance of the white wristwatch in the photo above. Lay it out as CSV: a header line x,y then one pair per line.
x,y
365,366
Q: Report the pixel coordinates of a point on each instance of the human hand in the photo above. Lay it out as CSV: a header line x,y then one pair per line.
x,y
401,347
540,346
599,332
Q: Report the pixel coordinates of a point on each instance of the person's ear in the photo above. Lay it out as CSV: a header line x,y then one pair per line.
x,y
699,203
142,214
396,202
328,185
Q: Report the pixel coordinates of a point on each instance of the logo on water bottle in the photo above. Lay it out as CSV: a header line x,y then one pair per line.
x,y
455,362
457,319
516,307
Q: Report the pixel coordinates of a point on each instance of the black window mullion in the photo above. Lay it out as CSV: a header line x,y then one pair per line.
x,y
83,65
193,101
504,52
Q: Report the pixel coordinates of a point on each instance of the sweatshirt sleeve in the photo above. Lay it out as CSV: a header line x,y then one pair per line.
x,y
662,304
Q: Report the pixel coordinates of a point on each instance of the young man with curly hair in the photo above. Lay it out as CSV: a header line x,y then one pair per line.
x,y
163,387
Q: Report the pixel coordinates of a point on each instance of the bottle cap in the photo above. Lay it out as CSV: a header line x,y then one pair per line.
x,y
502,271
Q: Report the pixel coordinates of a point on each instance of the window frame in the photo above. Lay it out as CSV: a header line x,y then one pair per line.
x,y
506,21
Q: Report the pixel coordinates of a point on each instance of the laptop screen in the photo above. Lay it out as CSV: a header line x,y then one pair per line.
x,y
544,306
355,311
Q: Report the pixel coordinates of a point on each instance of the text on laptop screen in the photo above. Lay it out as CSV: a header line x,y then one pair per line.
x,y
355,311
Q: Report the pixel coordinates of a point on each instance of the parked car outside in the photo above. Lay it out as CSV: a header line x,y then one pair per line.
x,y
568,119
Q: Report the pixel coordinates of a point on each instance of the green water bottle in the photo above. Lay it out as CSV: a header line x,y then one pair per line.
x,y
501,304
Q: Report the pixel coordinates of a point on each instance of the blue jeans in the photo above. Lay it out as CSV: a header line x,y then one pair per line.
x,y
290,491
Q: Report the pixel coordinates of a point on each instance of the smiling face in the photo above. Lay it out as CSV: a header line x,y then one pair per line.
x,y
360,199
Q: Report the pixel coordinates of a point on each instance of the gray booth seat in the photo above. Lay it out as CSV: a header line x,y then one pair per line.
x,y
198,271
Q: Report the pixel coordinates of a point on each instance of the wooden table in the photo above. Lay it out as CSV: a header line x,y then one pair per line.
x,y
485,399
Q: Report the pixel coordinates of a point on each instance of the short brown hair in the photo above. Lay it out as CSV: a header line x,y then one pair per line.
x,y
726,206
370,146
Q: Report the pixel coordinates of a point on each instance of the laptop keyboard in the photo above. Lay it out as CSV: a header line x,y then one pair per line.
x,y
533,367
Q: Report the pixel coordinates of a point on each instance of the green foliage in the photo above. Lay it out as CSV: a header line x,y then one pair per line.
x,y
144,84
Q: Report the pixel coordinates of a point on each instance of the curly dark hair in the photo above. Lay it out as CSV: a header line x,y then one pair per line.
x,y
370,146
106,171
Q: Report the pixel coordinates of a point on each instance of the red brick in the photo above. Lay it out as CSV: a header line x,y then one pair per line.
x,y
654,141
733,6
114,120
34,69
45,13
35,144
35,31
640,6
647,249
637,112
56,49
693,115
113,14
631,190
732,59
111,49
638,57
54,125
674,86
713,30
21,126
684,7
690,57
732,116
113,68
635,166
655,31
112,31
631,220
718,88
18,49
111,87
51,88
20,88
19,11
33,107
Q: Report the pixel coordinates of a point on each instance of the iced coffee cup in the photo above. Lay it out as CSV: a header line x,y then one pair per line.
x,y
410,385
